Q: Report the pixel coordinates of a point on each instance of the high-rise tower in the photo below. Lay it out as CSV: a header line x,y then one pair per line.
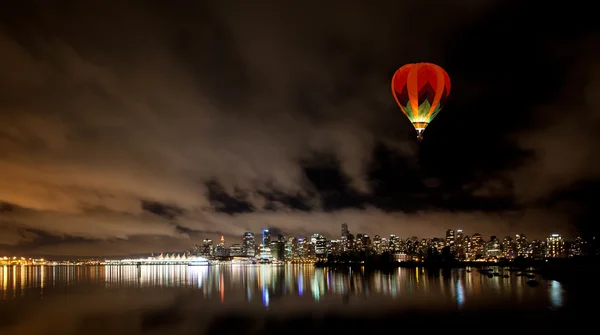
x,y
345,230
266,237
249,244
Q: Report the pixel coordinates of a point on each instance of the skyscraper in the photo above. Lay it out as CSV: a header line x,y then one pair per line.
x,y
555,247
266,237
459,237
450,237
492,248
345,230
220,250
207,247
320,246
249,244
522,245
477,245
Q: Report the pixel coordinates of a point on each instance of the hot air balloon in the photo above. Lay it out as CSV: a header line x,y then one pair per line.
x,y
420,90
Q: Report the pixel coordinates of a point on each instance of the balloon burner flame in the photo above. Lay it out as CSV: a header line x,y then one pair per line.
x,y
420,134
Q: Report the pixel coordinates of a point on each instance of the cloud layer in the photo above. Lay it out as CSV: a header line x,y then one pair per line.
x,y
97,116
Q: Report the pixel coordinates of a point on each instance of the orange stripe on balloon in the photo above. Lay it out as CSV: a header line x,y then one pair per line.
x,y
439,89
413,89
395,95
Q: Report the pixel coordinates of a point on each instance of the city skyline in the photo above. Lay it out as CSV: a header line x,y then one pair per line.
x,y
250,243
332,234
132,127
273,234
269,246
464,246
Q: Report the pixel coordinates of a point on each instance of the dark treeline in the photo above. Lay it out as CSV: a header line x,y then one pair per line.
x,y
445,258
576,271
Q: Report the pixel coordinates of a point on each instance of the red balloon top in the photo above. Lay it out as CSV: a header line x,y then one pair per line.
x,y
420,90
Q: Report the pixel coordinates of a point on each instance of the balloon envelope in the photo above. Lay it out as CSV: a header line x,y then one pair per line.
x,y
420,89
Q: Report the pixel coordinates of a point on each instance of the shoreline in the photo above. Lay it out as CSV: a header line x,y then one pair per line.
x,y
575,274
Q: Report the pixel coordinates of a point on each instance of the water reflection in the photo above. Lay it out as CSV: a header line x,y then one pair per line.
x,y
265,284
556,294
460,293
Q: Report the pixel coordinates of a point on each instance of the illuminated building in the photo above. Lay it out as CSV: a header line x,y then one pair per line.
x,y
166,259
366,242
344,238
377,245
400,257
577,248
277,250
459,236
477,246
207,248
394,243
467,248
320,246
265,253
358,242
450,238
522,245
492,247
266,237
536,249
291,246
236,250
385,244
458,244
437,244
334,247
350,243
555,246
343,244
508,248
302,249
21,261
249,244
220,250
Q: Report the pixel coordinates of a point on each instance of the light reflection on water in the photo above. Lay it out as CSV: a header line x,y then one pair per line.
x,y
265,283
556,294
460,293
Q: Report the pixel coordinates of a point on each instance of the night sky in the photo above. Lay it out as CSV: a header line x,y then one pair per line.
x,y
130,127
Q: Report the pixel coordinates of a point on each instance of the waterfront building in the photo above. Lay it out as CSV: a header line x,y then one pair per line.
x,y
555,246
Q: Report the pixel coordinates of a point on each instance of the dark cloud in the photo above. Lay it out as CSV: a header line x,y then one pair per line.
x,y
139,125
166,211
222,201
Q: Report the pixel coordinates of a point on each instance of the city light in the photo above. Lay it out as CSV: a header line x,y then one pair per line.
x,y
348,248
